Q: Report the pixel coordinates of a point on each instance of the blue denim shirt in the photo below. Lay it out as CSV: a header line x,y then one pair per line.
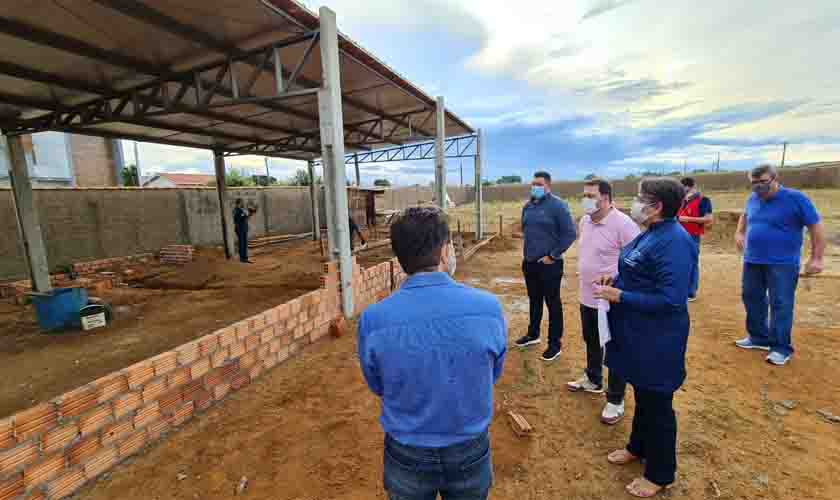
x,y
432,351
548,228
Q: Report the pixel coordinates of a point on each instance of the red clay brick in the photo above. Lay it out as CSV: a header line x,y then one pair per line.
x,y
221,390
80,452
147,415
139,374
76,402
202,400
170,402
283,354
157,429
240,381
263,352
252,342
199,368
255,371
178,378
35,421
248,360
153,390
66,484
11,487
165,363
132,444
227,336
43,471
100,462
230,370
111,386
184,413
187,353
237,349
214,378
208,344
219,357
127,403
95,419
266,335
117,431
243,329
275,345
59,438
270,362
7,433
17,457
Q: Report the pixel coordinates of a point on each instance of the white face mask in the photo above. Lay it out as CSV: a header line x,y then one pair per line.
x,y
590,205
637,212
451,261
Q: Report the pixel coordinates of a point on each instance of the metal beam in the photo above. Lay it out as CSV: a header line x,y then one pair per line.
x,y
479,189
29,228
440,162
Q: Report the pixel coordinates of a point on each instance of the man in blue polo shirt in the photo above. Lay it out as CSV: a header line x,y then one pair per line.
x,y
432,352
770,235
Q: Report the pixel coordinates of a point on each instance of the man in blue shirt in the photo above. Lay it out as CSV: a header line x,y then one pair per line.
x,y
432,352
770,235
548,231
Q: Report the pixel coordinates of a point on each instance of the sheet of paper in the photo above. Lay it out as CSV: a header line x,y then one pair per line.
x,y
603,322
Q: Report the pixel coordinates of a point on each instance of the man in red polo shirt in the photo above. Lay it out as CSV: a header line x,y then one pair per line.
x,y
695,215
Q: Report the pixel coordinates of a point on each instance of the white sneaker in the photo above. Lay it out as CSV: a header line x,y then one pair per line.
x,y
612,414
583,384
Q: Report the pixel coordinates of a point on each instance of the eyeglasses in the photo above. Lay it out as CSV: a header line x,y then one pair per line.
x,y
756,182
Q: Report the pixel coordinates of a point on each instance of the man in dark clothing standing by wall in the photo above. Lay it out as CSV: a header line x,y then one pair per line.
x,y
695,215
354,230
240,223
548,231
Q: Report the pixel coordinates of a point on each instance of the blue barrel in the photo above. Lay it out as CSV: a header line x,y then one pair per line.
x,y
59,310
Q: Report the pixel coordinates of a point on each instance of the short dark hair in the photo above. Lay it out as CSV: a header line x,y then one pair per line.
x,y
664,190
543,174
687,182
604,187
764,169
417,237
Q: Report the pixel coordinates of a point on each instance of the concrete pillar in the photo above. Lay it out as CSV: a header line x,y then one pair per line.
x,y
314,190
29,228
440,161
221,189
358,174
332,155
479,189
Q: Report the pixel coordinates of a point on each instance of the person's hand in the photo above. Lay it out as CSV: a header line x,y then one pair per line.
x,y
814,266
605,280
608,293
740,241
547,260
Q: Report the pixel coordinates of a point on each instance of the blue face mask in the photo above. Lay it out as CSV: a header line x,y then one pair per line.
x,y
537,192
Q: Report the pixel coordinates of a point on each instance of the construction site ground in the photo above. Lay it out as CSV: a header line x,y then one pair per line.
x,y
163,307
309,430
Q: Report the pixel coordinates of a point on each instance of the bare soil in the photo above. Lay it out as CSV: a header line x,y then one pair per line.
x,y
309,431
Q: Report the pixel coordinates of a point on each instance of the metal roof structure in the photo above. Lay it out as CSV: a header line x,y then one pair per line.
x,y
236,76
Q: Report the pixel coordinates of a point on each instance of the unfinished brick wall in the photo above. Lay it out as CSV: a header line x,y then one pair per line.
x,y
176,254
50,451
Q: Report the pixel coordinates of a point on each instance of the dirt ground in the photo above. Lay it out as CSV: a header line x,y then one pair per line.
x,y
309,429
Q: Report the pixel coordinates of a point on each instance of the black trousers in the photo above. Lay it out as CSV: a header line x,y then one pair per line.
x,y
654,436
616,385
242,244
354,230
543,282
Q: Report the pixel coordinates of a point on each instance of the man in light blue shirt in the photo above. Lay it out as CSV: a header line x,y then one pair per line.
x,y
432,352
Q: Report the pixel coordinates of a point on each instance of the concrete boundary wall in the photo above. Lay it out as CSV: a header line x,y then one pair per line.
x,y
51,450
99,223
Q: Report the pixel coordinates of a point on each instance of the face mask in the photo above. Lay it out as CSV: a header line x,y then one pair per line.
x,y
537,192
761,189
590,205
451,261
637,212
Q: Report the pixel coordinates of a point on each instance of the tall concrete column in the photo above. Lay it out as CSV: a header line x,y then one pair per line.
x,y
440,161
358,173
332,155
314,190
29,228
479,189
221,189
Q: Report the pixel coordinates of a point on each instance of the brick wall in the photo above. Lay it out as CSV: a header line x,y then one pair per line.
x,y
51,450
176,254
94,164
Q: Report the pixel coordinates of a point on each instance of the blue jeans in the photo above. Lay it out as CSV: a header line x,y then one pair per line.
x,y
463,471
773,285
242,244
695,276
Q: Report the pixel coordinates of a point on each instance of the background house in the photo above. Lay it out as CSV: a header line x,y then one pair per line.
x,y
167,180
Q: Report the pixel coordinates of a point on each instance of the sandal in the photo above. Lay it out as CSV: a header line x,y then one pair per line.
x,y
621,457
642,488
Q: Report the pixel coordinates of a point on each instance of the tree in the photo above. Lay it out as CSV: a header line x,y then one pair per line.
x,y
486,183
509,179
382,183
129,176
236,178
301,178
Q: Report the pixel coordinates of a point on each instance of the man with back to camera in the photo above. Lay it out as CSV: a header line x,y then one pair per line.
x,y
432,352
770,236
240,224
603,232
695,215
548,231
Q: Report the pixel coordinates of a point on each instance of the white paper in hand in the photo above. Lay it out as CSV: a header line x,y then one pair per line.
x,y
603,322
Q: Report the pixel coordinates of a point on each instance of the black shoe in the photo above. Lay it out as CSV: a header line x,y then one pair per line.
x,y
526,341
553,352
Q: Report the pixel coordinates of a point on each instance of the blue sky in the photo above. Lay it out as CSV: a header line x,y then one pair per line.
x,y
611,87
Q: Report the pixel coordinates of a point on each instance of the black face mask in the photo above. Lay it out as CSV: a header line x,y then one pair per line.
x,y
761,189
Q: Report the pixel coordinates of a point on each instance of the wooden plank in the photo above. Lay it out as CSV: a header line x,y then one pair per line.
x,y
471,251
520,426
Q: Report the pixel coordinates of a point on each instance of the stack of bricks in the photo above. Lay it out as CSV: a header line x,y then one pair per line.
x,y
397,274
176,254
371,285
96,266
51,450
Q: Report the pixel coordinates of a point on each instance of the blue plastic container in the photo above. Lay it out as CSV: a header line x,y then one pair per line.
x,y
60,309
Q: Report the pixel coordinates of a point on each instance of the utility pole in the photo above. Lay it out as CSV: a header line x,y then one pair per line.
x,y
784,153
717,166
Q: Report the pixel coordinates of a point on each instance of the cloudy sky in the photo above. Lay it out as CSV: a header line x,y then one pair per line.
x,y
604,86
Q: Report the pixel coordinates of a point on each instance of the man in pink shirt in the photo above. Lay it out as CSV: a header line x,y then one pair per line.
x,y
603,232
